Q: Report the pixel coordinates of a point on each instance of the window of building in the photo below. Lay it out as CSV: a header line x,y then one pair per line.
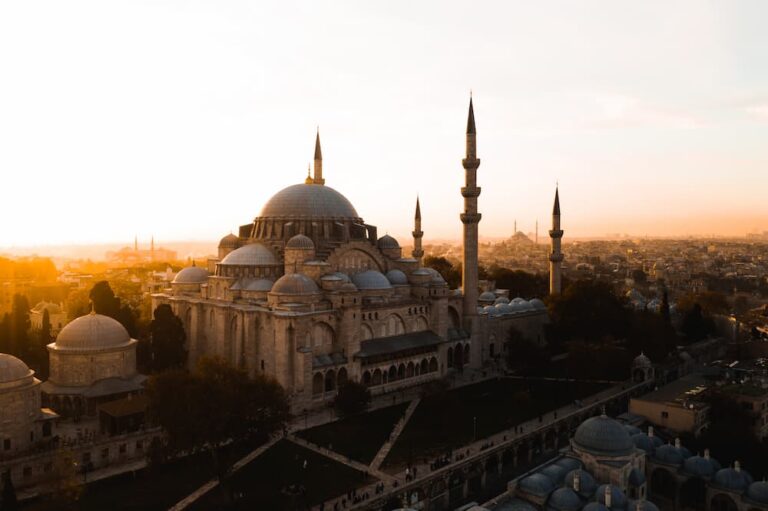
x,y
86,458
139,445
105,453
7,444
665,415
122,449
27,472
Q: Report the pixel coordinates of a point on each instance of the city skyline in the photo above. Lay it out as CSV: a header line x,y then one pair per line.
x,y
651,125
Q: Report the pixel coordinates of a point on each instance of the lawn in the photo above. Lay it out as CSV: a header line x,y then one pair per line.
x,y
448,420
270,482
359,436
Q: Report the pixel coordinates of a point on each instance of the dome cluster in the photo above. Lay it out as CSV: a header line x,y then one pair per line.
x,y
516,306
191,275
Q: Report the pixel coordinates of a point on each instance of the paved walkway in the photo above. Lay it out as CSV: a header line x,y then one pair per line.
x,y
399,427
340,458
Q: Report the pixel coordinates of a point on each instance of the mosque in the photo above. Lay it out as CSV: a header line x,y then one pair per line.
x,y
309,294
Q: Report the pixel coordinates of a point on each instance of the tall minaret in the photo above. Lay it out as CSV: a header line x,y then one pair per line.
x,y
537,231
318,179
556,257
417,233
470,218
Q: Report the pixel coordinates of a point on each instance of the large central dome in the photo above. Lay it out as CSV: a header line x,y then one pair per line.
x,y
309,201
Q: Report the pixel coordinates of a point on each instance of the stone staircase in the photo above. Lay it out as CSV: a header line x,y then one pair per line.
x,y
396,431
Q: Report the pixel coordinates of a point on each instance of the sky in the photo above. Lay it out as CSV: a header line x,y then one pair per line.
x,y
179,119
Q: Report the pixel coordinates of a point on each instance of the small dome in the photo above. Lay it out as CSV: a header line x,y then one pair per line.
x,y
538,304
587,484
632,430
229,241
191,275
564,499
668,454
348,287
436,277
295,284
371,280
259,285
519,305
758,492
642,362
387,242
12,369
699,466
568,463
253,254
732,479
487,296
503,308
636,477
300,242
646,443
642,505
595,506
338,275
397,277
500,300
537,484
491,310
517,300
603,436
555,473
618,499
92,332
52,308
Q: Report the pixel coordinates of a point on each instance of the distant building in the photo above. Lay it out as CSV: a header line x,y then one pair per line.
x,y
56,315
135,255
677,406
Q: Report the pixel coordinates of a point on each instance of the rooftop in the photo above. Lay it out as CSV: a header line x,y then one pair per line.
x,y
687,389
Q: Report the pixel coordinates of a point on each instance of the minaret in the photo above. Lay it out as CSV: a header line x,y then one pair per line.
x,y
318,179
537,231
515,229
136,243
556,257
417,233
470,218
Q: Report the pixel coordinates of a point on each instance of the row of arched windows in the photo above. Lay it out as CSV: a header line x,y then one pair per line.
x,y
328,381
458,356
399,372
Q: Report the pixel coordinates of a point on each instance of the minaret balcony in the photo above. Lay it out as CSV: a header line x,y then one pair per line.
x,y
469,192
556,258
470,163
556,233
470,218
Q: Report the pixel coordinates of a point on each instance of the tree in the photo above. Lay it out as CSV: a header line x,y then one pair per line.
x,y
20,324
519,283
167,340
78,304
696,326
8,501
524,355
664,310
215,404
651,334
104,300
451,273
353,397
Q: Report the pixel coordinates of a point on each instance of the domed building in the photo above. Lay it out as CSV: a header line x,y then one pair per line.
x,y
310,294
93,360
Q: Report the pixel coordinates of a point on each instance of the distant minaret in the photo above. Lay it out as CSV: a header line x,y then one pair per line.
x,y
556,257
318,179
136,243
470,218
515,230
152,248
537,231
417,233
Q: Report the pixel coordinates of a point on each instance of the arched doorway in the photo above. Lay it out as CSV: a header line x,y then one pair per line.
x,y
663,484
341,377
693,493
376,378
330,381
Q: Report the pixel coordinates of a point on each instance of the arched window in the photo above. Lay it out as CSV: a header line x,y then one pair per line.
x,y
317,384
341,378
432,365
395,325
409,370
376,378
424,366
322,335
365,332
392,373
401,371
421,324
367,378
330,381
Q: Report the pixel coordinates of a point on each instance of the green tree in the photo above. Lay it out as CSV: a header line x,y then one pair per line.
x,y
167,345
652,334
519,283
104,300
20,324
353,397
697,326
523,355
451,273
215,404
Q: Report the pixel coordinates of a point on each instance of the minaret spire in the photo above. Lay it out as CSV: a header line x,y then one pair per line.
x,y
318,179
556,256
417,233
470,218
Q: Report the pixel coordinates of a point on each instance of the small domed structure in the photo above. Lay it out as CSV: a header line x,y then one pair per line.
x,y
569,464
13,371
646,443
699,466
300,242
758,492
603,436
253,254
669,455
632,430
538,304
92,332
487,296
295,284
554,472
641,361
371,280
397,277
636,477
732,478
191,275
229,241
387,242
587,484
564,499
259,285
537,484
500,300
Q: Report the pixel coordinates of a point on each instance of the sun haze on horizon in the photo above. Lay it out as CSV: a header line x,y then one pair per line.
x,y
181,120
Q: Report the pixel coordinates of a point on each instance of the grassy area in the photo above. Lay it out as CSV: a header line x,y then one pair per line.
x,y
152,489
448,420
360,436
271,481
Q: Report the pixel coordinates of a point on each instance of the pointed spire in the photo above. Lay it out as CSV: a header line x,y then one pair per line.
x,y
556,209
418,209
309,179
471,118
318,177
318,152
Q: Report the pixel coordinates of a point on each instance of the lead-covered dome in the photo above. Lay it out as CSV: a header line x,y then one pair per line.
x,y
229,241
253,254
564,499
733,479
191,275
92,332
300,242
295,284
12,369
309,201
387,242
397,277
371,280
758,492
603,436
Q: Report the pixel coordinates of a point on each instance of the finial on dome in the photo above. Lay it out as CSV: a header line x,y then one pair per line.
x,y
602,410
93,309
309,179
608,496
737,466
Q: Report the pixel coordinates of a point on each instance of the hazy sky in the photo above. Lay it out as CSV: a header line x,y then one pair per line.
x,y
181,118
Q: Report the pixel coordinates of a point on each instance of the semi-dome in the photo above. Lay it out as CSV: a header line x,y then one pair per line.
x,y
537,484
191,275
253,254
300,242
309,201
603,436
564,499
699,466
587,483
397,277
387,242
12,369
295,284
229,241
371,280
758,492
618,499
92,332
732,479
